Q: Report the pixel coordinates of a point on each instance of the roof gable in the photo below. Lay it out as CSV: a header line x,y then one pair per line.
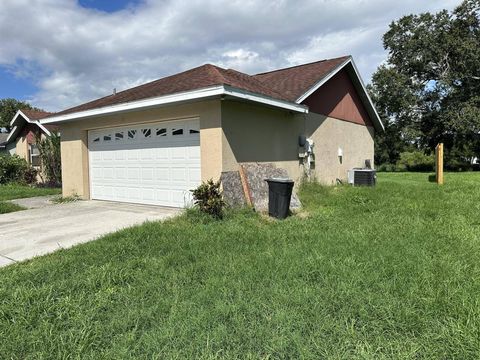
x,y
338,98
23,117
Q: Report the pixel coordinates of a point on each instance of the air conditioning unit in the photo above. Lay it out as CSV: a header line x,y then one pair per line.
x,y
359,177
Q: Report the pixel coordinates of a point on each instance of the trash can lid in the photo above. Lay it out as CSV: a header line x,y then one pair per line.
x,y
280,180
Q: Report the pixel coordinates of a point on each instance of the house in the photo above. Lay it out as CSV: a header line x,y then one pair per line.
x,y
153,143
25,127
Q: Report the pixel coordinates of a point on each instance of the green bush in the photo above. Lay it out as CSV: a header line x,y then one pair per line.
x,y
12,169
386,168
208,198
415,161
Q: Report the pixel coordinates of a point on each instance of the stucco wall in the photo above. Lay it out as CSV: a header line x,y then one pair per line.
x,y
256,133
21,147
330,134
74,148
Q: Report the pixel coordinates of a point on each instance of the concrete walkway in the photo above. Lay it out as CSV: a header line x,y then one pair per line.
x,y
29,233
35,202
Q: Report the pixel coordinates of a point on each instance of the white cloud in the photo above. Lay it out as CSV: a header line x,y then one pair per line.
x,y
75,54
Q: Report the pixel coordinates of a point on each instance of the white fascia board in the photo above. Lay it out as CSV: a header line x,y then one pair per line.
x,y
27,119
362,84
323,81
12,132
18,113
136,105
179,97
246,95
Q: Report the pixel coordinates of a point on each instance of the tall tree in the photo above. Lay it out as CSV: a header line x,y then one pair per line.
x,y
429,89
8,109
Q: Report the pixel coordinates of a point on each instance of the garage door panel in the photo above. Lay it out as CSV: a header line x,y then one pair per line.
x,y
151,163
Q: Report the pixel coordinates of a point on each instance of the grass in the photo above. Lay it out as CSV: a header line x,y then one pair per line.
x,y
7,207
391,272
15,191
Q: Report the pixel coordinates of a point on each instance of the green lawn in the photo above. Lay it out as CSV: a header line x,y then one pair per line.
x,y
391,272
13,191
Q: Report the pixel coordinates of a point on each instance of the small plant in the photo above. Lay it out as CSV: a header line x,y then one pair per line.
x,y
65,199
30,175
208,198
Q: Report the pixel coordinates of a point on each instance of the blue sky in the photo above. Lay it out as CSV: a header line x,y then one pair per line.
x,y
108,5
60,53
23,88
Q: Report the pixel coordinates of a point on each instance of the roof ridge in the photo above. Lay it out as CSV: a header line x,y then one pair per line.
x,y
300,65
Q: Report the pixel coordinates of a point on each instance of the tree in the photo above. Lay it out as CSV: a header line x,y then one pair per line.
x,y
49,148
429,89
8,109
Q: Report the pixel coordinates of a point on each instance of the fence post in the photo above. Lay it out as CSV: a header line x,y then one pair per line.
x,y
439,163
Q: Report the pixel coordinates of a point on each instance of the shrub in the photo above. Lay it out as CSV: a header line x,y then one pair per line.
x,y
12,169
415,161
208,198
49,149
30,175
386,168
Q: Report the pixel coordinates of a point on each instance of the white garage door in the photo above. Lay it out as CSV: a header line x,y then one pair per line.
x,y
149,164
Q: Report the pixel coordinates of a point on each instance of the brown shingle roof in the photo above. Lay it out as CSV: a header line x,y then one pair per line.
x,y
284,84
295,81
200,77
36,114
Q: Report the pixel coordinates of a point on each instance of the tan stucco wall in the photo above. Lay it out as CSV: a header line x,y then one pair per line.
x,y
329,135
256,133
74,149
21,147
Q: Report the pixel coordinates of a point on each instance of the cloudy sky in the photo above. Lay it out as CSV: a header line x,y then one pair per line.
x,y
59,53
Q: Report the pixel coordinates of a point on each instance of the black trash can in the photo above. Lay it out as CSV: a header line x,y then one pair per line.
x,y
279,195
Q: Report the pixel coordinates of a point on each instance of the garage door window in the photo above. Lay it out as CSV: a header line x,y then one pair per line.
x,y
119,136
107,137
147,133
161,132
132,134
176,132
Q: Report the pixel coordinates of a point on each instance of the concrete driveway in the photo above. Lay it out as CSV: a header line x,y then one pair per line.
x,y
29,233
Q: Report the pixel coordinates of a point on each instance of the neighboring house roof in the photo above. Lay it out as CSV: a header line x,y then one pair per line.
x,y
23,117
3,140
284,88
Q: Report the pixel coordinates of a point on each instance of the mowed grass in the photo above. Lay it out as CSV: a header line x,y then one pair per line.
x,y
391,272
15,191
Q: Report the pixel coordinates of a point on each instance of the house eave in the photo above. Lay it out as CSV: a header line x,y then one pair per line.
x,y
200,94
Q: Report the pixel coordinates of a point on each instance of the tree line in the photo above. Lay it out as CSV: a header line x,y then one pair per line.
x,y
428,89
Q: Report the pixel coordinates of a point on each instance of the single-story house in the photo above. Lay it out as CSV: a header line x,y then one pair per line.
x,y
25,127
153,143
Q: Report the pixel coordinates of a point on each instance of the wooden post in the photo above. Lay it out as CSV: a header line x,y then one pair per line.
x,y
439,163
